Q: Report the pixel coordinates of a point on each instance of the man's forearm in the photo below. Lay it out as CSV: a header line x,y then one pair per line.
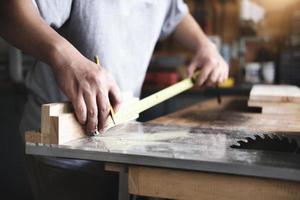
x,y
22,26
189,34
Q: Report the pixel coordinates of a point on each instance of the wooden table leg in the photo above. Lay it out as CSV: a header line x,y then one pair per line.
x,y
123,178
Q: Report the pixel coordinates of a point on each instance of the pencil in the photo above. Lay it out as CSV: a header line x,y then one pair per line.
x,y
111,110
219,94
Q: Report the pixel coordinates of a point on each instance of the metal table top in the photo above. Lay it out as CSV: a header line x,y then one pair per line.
x,y
197,149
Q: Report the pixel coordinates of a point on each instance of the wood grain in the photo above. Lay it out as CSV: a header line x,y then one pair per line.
x,y
33,137
232,114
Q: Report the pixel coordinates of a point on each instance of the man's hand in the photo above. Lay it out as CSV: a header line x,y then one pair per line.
x,y
91,89
214,69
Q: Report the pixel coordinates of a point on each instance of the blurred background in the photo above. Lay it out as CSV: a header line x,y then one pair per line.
x,y
260,39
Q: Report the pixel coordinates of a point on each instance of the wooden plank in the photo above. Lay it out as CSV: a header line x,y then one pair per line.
x,y
33,137
186,185
280,109
275,93
254,103
275,107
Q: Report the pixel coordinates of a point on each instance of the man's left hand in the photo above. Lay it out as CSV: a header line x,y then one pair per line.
x,y
214,69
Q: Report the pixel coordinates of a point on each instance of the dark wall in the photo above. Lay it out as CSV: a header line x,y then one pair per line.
x,y
13,179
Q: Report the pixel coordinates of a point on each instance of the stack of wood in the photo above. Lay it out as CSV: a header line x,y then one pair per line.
x,y
275,99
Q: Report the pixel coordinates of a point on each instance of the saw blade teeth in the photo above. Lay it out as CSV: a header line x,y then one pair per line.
x,y
240,142
236,147
276,137
258,137
285,140
293,142
272,136
249,139
269,142
268,137
265,136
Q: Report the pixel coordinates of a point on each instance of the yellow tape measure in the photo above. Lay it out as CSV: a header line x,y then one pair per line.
x,y
134,109
137,107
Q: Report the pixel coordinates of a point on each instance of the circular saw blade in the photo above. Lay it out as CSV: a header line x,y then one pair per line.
x,y
268,142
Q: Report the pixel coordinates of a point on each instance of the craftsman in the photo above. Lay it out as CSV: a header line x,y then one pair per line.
x,y
64,36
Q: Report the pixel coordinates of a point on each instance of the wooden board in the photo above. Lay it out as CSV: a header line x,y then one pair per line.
x,y
187,185
232,114
275,93
276,107
275,99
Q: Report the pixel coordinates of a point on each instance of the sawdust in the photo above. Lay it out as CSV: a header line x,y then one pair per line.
x,y
126,141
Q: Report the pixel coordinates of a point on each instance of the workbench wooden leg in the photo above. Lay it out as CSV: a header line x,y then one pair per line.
x,y
123,186
123,178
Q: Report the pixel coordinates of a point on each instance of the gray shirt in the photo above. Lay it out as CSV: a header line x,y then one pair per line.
x,y
123,33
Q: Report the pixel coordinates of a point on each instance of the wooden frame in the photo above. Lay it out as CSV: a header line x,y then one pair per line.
x,y
187,185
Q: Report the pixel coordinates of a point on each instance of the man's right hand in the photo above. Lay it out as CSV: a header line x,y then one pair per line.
x,y
91,89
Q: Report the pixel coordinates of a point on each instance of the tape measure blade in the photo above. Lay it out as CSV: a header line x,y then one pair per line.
x,y
154,99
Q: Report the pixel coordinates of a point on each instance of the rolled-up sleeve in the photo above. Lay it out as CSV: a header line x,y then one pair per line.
x,y
54,12
177,10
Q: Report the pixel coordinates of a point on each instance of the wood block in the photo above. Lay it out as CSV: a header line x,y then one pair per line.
x,y
48,111
59,124
65,128
186,185
275,93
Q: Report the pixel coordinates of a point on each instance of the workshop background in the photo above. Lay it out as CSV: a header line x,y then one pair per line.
x,y
260,39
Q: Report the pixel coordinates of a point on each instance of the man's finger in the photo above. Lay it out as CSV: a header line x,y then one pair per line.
x,y
103,110
191,68
205,72
92,113
224,74
115,97
213,77
80,109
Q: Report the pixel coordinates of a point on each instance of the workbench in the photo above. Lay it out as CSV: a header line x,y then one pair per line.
x,y
186,182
